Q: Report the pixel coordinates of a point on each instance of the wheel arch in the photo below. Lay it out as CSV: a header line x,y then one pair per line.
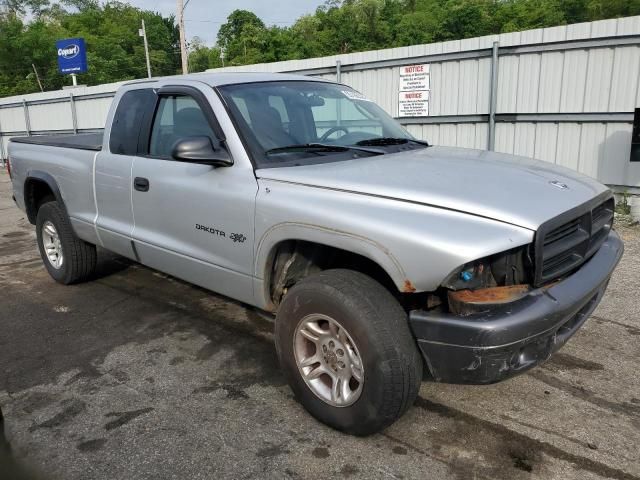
x,y
38,186
315,243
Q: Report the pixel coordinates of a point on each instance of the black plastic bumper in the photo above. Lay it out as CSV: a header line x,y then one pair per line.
x,y
491,346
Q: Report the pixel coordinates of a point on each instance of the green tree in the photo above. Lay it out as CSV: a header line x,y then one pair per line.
x,y
599,9
202,57
417,27
371,27
29,29
242,37
527,14
464,19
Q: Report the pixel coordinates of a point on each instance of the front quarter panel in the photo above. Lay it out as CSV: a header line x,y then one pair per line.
x,y
417,245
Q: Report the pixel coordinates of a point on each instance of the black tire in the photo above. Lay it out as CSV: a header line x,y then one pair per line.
x,y
79,257
379,327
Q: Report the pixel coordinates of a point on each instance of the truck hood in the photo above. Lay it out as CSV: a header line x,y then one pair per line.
x,y
508,188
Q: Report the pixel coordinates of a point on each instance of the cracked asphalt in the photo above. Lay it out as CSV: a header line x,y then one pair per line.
x,y
137,375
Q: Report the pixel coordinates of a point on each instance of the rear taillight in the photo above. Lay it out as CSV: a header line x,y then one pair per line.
x,y
9,167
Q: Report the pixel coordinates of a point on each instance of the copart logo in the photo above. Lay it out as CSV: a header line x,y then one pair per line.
x,y
560,185
68,52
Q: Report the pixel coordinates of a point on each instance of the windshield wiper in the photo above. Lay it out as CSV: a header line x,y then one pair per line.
x,y
320,147
384,141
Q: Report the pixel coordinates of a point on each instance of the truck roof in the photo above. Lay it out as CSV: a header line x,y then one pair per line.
x,y
229,78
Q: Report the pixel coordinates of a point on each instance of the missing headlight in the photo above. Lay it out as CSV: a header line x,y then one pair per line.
x,y
512,267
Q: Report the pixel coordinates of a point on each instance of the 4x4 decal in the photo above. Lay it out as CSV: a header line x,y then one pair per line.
x,y
237,237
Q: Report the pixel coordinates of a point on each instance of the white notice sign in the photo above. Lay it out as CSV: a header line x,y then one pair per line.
x,y
414,77
413,104
414,92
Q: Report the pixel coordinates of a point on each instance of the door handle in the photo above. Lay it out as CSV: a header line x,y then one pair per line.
x,y
141,184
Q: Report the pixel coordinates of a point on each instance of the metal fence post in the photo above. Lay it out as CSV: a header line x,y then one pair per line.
x,y
493,97
74,117
27,122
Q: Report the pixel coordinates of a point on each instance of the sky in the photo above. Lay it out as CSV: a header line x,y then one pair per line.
x,y
204,17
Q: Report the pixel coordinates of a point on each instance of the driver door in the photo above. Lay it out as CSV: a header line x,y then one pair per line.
x,y
193,220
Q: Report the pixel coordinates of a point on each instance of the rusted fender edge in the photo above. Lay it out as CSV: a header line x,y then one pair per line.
x,y
334,238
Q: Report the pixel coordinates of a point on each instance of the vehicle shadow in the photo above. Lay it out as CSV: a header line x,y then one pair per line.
x,y
109,264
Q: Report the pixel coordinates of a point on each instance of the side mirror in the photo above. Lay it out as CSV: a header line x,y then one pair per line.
x,y
200,150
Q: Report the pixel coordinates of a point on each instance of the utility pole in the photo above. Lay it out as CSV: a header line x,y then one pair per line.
x,y
37,77
183,46
143,33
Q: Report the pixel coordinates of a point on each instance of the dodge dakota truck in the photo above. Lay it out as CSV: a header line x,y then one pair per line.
x,y
378,254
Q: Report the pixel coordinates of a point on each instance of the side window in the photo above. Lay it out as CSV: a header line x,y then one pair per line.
x,y
127,120
177,117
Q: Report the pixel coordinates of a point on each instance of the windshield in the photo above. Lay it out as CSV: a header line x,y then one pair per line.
x,y
303,122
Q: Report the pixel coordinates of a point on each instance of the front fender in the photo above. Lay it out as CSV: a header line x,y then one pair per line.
x,y
417,245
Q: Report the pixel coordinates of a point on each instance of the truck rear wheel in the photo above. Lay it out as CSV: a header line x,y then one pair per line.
x,y
345,346
67,258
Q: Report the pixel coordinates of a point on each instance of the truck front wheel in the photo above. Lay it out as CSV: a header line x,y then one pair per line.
x,y
67,258
345,346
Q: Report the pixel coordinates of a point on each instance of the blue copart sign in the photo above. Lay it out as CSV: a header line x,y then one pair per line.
x,y
72,55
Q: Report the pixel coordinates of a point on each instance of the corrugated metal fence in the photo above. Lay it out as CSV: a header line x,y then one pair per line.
x,y
63,111
563,94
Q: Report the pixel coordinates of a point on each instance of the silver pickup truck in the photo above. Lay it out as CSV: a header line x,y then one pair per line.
x,y
379,254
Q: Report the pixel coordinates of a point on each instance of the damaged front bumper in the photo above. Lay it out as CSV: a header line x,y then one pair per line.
x,y
493,345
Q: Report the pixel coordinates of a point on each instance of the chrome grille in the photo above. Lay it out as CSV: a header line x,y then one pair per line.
x,y
566,242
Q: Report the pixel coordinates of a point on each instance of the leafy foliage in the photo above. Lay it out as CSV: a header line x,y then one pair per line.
x,y
623,207
345,26
116,52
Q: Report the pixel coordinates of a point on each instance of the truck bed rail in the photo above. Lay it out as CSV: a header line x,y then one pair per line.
x,y
82,141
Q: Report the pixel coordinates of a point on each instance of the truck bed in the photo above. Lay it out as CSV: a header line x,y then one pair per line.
x,y
81,141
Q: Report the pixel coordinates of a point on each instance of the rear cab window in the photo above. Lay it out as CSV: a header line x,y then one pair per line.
x,y
129,116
